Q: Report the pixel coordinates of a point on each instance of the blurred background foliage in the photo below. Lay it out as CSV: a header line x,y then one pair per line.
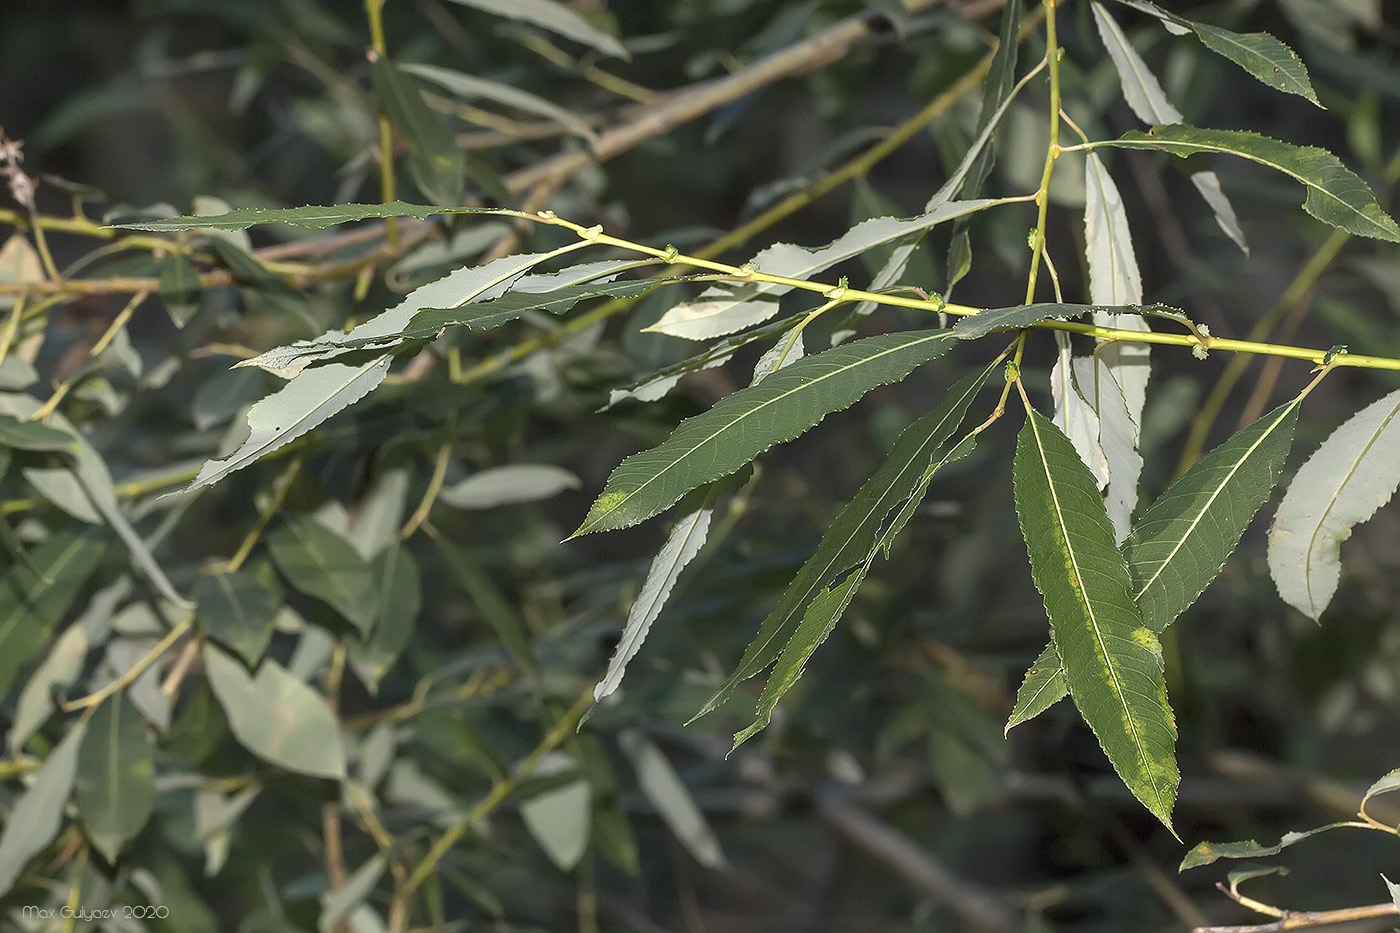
x,y
884,796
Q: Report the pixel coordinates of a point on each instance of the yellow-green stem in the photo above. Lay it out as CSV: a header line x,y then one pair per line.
x,y
1052,151
374,12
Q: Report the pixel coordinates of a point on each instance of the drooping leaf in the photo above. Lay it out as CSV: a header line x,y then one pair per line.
x,y
509,485
312,216
58,670
666,791
1044,686
993,319
555,17
338,905
179,289
470,87
827,608
1270,61
489,603
1207,852
236,610
730,307
685,540
856,528
1334,194
743,425
34,819
104,500
437,163
1344,482
400,587
1113,665
276,716
115,787
1117,438
559,818
30,607
1113,270
321,564
1182,540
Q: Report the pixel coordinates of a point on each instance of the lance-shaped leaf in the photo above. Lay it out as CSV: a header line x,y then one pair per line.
x,y
1335,195
34,819
743,425
311,216
313,396
1353,473
1207,852
1019,316
469,87
1149,102
856,528
554,16
438,164
1113,664
1270,61
238,611
727,308
686,539
276,715
1044,686
116,778
1182,541
30,605
827,608
400,587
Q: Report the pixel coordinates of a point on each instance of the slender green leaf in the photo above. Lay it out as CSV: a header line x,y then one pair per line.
x,y
180,290
487,598
743,425
1335,195
555,17
469,87
1385,785
1270,61
320,563
1112,663
437,163
685,540
400,587
856,529
1344,482
30,607
340,905
1015,318
1043,687
668,793
115,787
312,216
509,485
730,307
34,819
1207,852
276,716
1181,542
237,610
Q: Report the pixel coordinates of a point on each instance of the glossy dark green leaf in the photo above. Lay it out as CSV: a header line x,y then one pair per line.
x,y
856,529
436,161
276,716
30,607
1182,541
1335,195
320,563
1113,664
237,610
180,290
115,787
743,425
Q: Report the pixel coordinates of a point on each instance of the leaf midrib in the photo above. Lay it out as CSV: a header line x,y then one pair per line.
x,y
1119,690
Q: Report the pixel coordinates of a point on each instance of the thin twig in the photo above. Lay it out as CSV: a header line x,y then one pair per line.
x,y
1298,919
